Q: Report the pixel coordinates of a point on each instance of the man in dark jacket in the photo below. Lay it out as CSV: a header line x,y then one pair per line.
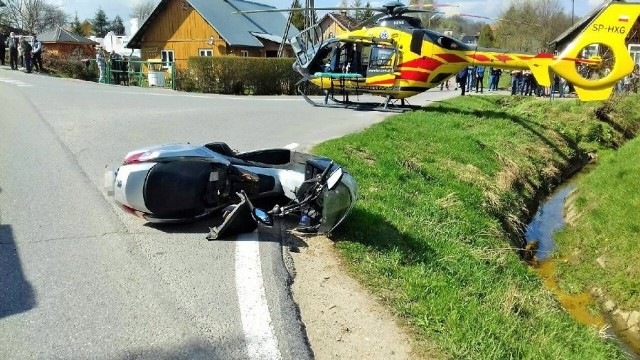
x,y
25,48
462,79
3,45
12,43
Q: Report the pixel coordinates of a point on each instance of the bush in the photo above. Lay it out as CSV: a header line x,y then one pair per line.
x,y
239,76
68,67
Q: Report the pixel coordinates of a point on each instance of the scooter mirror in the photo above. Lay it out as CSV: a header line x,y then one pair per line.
x,y
334,179
262,216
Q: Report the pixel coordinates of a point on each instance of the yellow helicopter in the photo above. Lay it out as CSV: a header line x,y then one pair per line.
x,y
398,58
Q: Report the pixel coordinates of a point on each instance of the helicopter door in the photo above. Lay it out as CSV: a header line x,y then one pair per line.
x,y
382,60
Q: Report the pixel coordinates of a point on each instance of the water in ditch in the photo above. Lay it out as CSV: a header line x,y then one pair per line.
x,y
548,220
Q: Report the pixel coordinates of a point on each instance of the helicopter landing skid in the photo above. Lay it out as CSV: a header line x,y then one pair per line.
x,y
388,105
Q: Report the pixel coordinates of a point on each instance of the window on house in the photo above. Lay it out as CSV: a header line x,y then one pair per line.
x,y
244,53
634,50
167,57
205,52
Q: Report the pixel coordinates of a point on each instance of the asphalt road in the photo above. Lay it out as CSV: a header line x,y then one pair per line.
x,y
81,279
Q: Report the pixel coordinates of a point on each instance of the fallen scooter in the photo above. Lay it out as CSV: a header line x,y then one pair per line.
x,y
184,182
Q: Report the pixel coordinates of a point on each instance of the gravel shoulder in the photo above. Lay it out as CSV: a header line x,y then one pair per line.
x,y
342,318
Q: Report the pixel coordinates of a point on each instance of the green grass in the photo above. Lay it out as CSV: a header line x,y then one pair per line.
x,y
443,193
605,227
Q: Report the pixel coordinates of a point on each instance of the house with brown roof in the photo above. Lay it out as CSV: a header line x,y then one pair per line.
x,y
333,24
65,43
179,29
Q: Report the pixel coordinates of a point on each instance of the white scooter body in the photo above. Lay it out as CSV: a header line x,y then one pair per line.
x,y
127,183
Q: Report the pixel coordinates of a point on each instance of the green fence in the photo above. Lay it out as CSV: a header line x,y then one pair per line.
x,y
137,73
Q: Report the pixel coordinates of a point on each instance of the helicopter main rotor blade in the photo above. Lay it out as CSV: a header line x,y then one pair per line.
x,y
307,9
493,19
431,6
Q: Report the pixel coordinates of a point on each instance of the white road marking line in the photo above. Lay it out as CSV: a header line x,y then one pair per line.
x,y
15,82
291,146
252,299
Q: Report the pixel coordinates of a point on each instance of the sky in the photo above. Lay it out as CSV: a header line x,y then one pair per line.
x,y
86,9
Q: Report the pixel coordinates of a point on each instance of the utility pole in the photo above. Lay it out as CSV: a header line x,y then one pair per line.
x,y
573,8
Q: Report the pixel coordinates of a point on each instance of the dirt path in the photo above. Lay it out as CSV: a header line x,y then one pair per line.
x,y
342,319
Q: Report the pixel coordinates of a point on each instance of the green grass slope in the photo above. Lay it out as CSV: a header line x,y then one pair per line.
x,y
443,193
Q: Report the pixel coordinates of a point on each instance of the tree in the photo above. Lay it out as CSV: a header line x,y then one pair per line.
x,y
486,38
366,14
100,23
143,9
34,16
297,19
357,14
76,27
117,26
529,25
50,18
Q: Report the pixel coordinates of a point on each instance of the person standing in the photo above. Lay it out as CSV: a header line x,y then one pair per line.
x,y
4,42
25,49
100,60
462,79
443,84
36,53
480,79
13,51
471,77
495,79
516,77
527,87
114,63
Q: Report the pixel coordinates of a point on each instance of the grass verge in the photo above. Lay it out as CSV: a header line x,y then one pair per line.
x,y
600,243
443,193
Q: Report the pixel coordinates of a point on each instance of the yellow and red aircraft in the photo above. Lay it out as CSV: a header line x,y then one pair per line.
x,y
398,58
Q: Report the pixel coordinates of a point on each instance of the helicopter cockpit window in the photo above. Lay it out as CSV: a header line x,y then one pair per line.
x,y
445,42
448,43
381,57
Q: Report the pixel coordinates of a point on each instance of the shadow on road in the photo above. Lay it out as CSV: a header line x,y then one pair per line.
x,y
16,294
190,350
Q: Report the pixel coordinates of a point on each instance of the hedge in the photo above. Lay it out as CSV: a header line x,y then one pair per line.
x,y
239,76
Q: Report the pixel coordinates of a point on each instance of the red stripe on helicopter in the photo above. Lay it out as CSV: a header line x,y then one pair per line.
x,y
426,63
553,57
414,75
452,58
504,58
525,57
480,57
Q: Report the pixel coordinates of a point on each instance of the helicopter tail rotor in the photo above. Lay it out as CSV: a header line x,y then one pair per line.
x,y
597,58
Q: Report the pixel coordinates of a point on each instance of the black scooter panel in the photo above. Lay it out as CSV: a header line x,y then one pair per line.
x,y
177,189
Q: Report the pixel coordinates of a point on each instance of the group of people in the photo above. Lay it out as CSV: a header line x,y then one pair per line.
x,y
118,66
23,53
472,77
522,82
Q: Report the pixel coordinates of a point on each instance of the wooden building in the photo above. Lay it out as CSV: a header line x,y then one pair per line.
x,y
334,24
64,43
179,29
